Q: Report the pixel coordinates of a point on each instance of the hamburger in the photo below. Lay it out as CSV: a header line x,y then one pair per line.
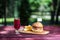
x,y
37,27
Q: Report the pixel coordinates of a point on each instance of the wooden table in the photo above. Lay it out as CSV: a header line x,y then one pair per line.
x,y
8,33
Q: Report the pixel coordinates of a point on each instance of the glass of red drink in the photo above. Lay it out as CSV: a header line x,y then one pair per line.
x,y
17,24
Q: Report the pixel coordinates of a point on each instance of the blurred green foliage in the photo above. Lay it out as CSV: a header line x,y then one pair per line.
x,y
34,4
35,9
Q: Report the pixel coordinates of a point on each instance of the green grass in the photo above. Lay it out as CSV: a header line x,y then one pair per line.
x,y
12,19
7,19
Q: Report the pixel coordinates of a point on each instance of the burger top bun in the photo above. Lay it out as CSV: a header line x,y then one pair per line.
x,y
37,25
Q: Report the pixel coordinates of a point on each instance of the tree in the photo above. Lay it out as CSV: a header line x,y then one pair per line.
x,y
58,11
25,12
54,3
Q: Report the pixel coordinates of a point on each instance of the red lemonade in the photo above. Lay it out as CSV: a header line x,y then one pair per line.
x,y
16,24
